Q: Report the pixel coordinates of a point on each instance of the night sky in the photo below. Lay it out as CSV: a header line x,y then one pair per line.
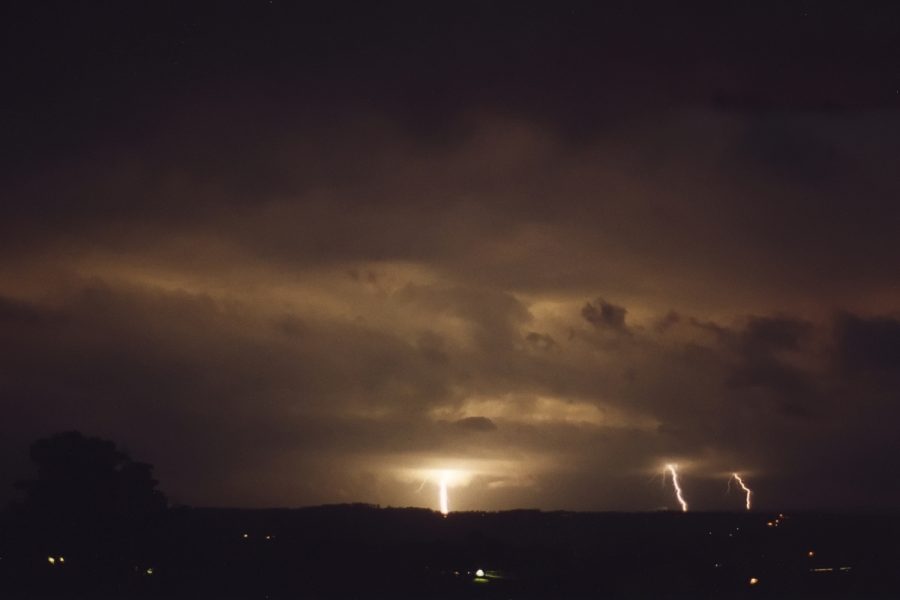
x,y
294,253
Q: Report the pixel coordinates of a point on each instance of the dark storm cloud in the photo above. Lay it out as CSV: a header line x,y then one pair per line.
x,y
869,345
245,401
789,150
795,390
605,315
476,424
666,322
13,312
541,340
308,257
761,347
769,334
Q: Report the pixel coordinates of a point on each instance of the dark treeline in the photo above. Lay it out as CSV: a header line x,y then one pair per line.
x,y
92,525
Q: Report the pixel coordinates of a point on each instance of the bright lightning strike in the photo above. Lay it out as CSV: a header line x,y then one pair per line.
x,y
442,496
740,481
673,469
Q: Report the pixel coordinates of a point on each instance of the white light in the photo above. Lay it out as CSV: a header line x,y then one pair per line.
x,y
442,496
744,487
673,469
479,573
51,560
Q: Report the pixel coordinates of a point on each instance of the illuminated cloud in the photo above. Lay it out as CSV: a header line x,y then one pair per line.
x,y
553,283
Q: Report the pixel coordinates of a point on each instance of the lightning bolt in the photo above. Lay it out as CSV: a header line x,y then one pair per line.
x,y
442,496
740,481
673,469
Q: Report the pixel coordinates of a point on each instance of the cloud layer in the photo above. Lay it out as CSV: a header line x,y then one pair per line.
x,y
549,281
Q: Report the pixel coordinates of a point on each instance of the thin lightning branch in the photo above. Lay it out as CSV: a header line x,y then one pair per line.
x,y
740,481
673,469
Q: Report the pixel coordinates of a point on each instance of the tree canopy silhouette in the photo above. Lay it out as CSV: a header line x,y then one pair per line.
x,y
88,479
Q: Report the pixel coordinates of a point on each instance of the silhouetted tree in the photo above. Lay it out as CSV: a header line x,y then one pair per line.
x,y
85,485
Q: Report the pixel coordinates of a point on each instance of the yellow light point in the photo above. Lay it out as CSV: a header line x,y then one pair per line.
x,y
62,559
149,571
740,481
442,496
673,469
51,560
811,554
753,580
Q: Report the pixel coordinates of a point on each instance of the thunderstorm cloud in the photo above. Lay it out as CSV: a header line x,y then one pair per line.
x,y
555,285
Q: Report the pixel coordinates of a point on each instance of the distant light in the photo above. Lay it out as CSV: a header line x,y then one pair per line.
x,y
442,496
823,570
770,524
479,573
62,559
673,469
810,554
245,536
744,487
149,571
754,581
845,568
268,537
51,560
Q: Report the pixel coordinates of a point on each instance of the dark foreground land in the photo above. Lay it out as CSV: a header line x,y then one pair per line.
x,y
369,552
